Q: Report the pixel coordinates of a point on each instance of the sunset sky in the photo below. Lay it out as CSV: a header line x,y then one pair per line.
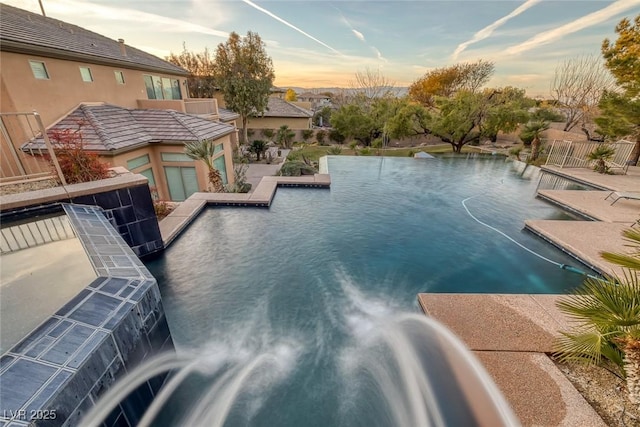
x,y
324,43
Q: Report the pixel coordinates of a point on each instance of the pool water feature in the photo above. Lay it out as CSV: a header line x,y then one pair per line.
x,y
316,278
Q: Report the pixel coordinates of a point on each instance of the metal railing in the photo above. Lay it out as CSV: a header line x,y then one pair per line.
x,y
18,165
569,154
202,106
35,233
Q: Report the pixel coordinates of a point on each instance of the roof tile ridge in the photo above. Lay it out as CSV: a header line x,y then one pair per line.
x,y
304,110
97,125
180,119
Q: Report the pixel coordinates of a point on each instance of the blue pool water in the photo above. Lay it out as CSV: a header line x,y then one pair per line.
x,y
309,275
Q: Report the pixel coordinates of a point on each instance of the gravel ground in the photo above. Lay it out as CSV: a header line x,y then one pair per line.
x,y
27,186
605,392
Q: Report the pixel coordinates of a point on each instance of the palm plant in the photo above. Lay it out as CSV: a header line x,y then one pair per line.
x,y
258,147
285,136
534,131
600,155
204,151
607,312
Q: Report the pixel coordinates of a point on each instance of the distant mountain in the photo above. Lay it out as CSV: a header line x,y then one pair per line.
x,y
398,90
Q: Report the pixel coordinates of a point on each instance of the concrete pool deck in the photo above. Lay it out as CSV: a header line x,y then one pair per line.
x,y
510,335
262,196
586,239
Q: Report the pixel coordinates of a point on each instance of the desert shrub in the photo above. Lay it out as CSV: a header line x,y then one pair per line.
x,y
293,156
366,151
411,153
320,136
336,136
296,168
307,134
268,133
335,151
353,145
162,208
77,164
240,184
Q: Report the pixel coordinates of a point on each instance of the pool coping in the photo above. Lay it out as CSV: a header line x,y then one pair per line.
x,y
174,223
513,348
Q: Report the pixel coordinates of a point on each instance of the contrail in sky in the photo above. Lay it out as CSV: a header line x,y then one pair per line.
x,y
579,24
489,29
277,18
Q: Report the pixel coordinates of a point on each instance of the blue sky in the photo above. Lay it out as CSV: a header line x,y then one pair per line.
x,y
324,43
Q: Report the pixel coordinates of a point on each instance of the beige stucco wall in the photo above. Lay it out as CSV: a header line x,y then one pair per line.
x,y
155,156
64,90
276,122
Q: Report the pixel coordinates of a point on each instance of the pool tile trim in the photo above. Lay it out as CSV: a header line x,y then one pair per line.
x,y
70,359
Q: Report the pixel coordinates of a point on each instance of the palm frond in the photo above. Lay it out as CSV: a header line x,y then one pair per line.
x,y
629,260
201,150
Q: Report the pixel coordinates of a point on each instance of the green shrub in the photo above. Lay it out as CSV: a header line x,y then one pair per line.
x,y
307,134
411,153
293,156
336,136
296,168
335,151
366,151
320,136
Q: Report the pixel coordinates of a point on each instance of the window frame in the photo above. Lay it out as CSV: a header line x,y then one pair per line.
x,y
82,75
121,74
159,87
32,62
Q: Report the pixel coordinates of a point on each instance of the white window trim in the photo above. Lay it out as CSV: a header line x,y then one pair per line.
x,y
90,74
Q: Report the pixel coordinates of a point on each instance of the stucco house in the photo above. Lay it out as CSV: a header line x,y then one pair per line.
x,y
280,112
57,69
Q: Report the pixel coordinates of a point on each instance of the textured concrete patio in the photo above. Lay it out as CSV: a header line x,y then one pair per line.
x,y
510,335
628,182
594,205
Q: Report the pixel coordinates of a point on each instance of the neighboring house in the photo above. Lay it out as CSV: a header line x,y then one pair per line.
x,y
316,100
51,67
151,143
280,112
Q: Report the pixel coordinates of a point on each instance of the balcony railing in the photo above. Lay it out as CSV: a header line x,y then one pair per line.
x,y
204,106
18,165
569,154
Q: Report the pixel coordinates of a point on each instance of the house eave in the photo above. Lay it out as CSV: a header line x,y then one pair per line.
x,y
30,49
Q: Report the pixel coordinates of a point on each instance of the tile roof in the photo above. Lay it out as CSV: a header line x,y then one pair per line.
x,y
227,115
108,127
280,108
23,31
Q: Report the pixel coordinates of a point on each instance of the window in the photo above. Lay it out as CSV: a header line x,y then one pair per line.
x,y
222,168
148,173
85,72
138,161
119,77
175,157
39,70
182,182
162,87
218,148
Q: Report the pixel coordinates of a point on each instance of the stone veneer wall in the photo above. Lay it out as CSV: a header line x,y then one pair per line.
x,y
63,367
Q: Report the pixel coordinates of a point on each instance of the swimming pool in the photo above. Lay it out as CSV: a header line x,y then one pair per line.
x,y
320,267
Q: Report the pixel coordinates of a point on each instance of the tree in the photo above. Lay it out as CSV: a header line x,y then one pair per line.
x,y
291,95
533,130
623,57
577,86
371,85
504,111
354,122
204,151
200,83
244,73
457,119
285,136
447,81
620,111
322,117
